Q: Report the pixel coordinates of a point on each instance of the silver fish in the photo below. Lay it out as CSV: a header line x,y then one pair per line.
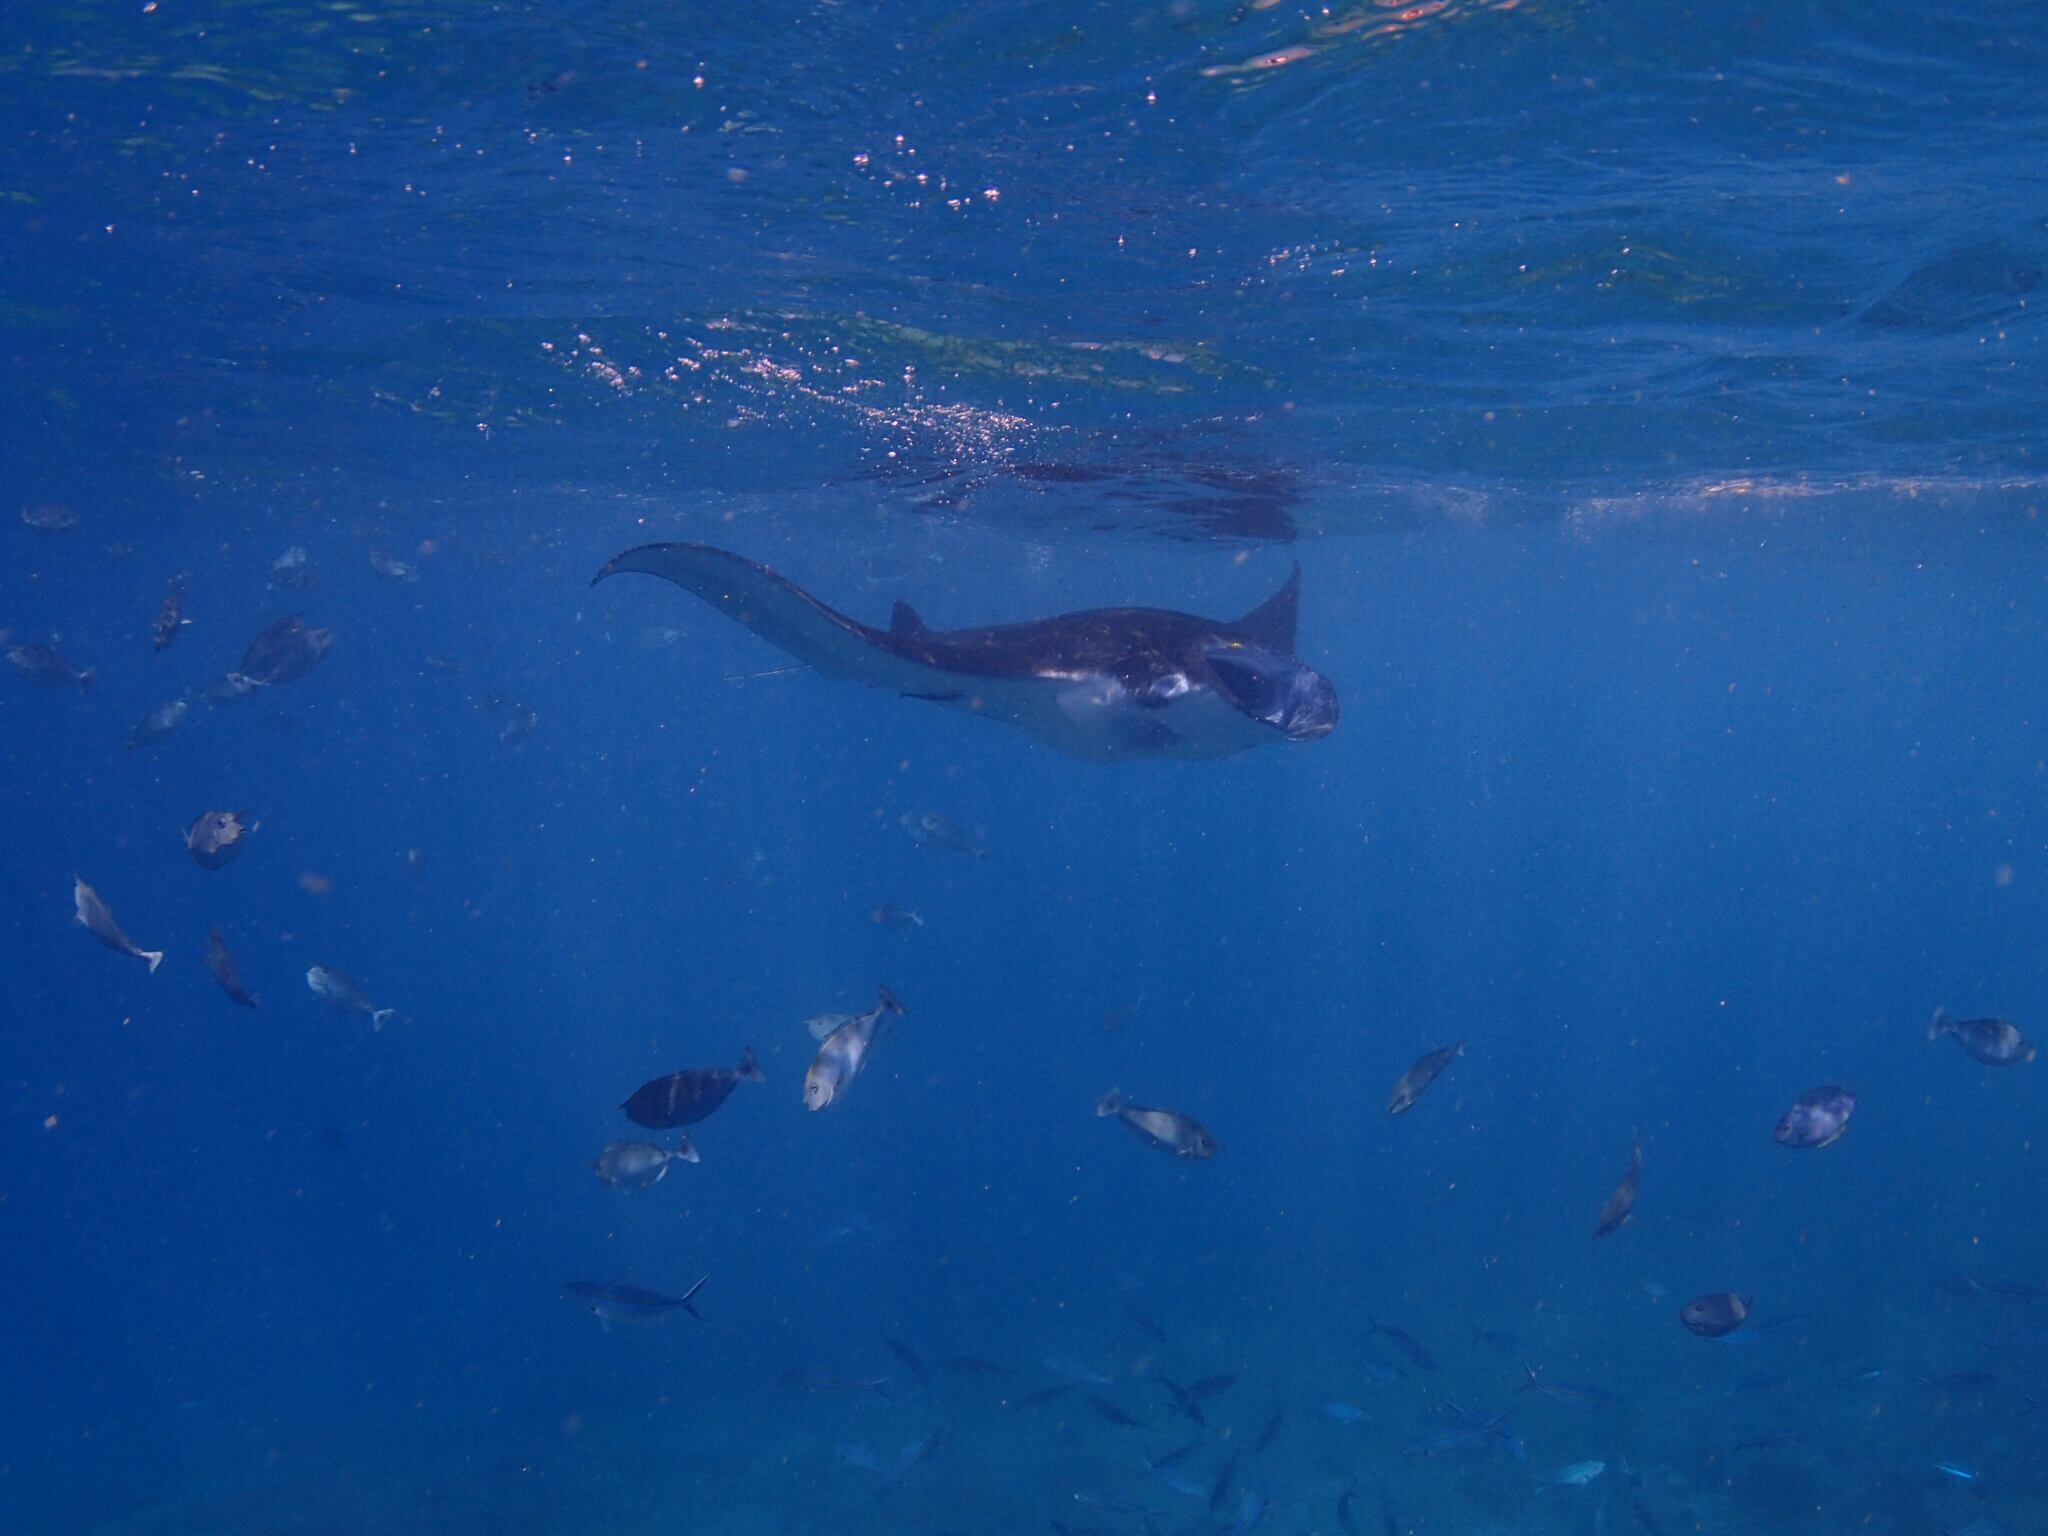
x,y
1992,1041
94,917
215,838
639,1164
160,722
845,1052
345,994
1167,1129
935,829
1420,1076
293,568
41,664
391,568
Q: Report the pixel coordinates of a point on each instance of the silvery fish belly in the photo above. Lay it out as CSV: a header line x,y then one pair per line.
x,y
844,1053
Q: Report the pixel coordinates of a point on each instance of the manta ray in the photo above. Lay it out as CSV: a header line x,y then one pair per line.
x,y
1106,684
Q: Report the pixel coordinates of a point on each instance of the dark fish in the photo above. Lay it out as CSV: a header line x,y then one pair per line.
x,y
1167,1129
1272,1430
41,664
1346,1521
2014,1290
844,1052
169,617
160,722
1818,1119
684,1098
215,839
93,916
1045,1395
1406,1342
639,1164
1992,1041
1623,1200
222,964
911,1363
1114,1414
807,1381
629,1303
971,1365
1183,1399
1958,1381
1715,1314
1221,1490
284,652
1420,1076
1145,1325
1211,1386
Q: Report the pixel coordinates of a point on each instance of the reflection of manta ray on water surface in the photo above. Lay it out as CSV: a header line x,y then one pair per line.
x,y
1104,683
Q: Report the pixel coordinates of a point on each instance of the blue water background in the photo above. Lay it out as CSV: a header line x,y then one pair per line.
x,y
1652,397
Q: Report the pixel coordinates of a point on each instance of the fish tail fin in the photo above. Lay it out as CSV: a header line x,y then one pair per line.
x,y
1110,1103
155,957
85,679
749,1069
688,1303
686,1149
1938,1025
889,1001
379,1015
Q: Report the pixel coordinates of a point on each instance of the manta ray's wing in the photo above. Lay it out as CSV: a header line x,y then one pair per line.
x,y
785,615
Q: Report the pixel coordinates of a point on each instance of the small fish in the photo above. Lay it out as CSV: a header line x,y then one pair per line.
x,y
911,1363
1500,1339
1346,1521
1183,1399
972,1365
1568,1394
215,839
1385,1372
1715,1314
1073,1370
809,1381
1178,1454
936,830
49,517
222,964
1406,1342
170,616
886,914
391,568
93,916
1577,1475
1167,1129
1992,1041
1958,1381
611,1303
684,1098
1144,1325
40,664
1419,1076
844,1053
1772,1440
1220,1489
1818,1119
910,1456
284,652
160,722
1179,1482
1272,1430
519,725
293,569
339,990
1045,1395
639,1164
1252,1510
1211,1386
1961,1472
1623,1200
1115,1415
1345,1413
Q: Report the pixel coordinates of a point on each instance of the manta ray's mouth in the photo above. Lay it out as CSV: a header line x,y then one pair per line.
x,y
1274,687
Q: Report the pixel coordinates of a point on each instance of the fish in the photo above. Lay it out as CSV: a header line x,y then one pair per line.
x,y
1220,1489
1771,1440
684,1098
1992,1041
1404,1341
1271,1432
285,651
1961,1472
1115,1415
1577,1475
1568,1394
1817,1119
1419,1076
41,664
215,838
911,1454
93,916
911,1363
1183,1399
810,1381
1716,1313
519,725
222,964
639,1164
1167,1129
293,569
1345,1413
1179,1482
1073,1370
338,989
1623,1200
160,722
49,517
1106,685
391,568
1468,1429
1045,1395
170,616
1252,1510
1346,1521
886,914
1144,1324
935,829
844,1052
1382,1371
611,1303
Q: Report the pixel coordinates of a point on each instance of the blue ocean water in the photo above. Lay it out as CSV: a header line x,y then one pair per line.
x,y
1651,397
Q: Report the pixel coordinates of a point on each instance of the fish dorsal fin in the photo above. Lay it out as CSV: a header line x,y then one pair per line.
x,y
1271,624
904,622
